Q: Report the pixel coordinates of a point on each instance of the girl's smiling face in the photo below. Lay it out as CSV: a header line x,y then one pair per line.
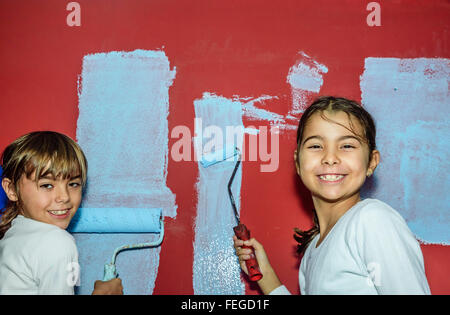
x,y
332,158
53,200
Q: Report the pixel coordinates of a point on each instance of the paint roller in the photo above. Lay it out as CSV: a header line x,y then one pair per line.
x,y
119,220
240,230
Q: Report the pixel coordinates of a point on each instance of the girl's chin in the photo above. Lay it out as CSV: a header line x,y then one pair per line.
x,y
336,197
331,193
328,199
61,221
61,225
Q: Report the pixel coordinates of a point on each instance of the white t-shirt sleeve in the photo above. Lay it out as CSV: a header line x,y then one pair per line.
x,y
281,290
390,252
58,269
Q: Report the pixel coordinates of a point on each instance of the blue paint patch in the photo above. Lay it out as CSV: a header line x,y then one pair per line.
x,y
123,130
424,159
409,100
216,267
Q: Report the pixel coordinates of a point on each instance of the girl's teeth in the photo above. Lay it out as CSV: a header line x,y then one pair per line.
x,y
331,178
58,212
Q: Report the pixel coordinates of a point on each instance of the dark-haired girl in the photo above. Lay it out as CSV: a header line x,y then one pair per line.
x,y
356,246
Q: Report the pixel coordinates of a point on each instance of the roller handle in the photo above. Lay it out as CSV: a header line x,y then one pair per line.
x,y
109,272
254,272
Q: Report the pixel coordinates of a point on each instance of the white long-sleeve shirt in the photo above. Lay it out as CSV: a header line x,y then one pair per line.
x,y
37,258
370,250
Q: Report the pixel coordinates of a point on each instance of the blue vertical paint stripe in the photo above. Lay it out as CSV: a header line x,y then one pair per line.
x,y
216,268
123,130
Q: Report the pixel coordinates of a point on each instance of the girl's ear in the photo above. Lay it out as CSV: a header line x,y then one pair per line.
x,y
297,162
9,189
373,163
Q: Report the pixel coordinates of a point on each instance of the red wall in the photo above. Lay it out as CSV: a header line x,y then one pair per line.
x,y
227,47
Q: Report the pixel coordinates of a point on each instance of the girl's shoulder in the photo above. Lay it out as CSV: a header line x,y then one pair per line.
x,y
375,210
40,236
373,216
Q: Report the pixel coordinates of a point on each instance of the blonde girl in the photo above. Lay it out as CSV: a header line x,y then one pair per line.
x,y
44,173
356,246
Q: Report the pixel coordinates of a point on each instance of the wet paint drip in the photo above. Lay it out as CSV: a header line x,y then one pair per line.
x,y
409,100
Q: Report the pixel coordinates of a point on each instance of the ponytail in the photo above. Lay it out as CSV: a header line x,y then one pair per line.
x,y
305,237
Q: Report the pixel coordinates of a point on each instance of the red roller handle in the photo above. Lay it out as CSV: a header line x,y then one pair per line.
x,y
254,272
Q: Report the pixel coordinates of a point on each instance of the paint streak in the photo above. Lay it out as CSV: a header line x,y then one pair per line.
x,y
409,100
123,130
216,268
254,113
305,78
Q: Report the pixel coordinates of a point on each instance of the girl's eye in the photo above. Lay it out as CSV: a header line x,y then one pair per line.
x,y
314,146
348,146
74,184
46,186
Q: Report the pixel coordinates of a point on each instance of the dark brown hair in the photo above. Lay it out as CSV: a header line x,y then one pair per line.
x,y
41,153
352,109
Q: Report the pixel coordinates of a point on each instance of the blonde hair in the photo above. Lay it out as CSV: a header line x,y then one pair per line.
x,y
41,153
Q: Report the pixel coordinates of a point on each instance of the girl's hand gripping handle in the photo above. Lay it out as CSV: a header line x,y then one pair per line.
x,y
254,272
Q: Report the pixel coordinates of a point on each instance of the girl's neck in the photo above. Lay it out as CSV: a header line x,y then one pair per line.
x,y
328,213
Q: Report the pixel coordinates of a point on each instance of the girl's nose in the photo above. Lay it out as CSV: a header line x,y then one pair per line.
x,y
330,158
62,195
